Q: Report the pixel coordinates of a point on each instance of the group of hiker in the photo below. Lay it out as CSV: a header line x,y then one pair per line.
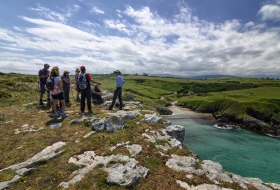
x,y
58,89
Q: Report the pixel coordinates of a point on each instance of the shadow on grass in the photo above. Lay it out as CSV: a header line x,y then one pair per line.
x,y
48,107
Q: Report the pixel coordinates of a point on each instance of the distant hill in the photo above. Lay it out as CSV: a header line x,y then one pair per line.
x,y
217,76
194,77
212,76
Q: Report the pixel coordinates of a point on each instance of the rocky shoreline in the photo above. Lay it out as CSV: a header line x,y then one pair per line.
x,y
158,141
256,122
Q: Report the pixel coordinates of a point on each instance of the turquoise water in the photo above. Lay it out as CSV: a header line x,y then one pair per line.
x,y
239,151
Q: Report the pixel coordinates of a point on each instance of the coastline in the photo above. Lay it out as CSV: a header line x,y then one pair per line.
x,y
180,112
186,113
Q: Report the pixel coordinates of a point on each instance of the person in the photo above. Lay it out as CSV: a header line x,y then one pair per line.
x,y
66,85
118,90
86,93
96,94
57,94
43,76
77,87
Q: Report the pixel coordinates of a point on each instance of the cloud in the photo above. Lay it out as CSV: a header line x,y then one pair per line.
x,y
55,16
249,24
48,14
96,10
88,23
116,24
270,12
141,41
71,9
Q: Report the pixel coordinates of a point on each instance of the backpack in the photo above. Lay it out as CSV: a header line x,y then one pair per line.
x,y
50,83
82,81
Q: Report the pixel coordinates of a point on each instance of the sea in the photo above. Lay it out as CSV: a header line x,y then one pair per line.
x,y
238,150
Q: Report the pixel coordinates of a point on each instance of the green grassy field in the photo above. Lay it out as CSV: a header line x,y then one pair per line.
x,y
229,95
17,90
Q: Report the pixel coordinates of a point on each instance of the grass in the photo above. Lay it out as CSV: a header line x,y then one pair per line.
x,y
151,91
262,99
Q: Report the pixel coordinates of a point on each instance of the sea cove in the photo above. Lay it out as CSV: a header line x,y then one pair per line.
x,y
239,151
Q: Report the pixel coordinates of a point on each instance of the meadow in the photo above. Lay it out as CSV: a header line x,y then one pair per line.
x,y
232,96
19,100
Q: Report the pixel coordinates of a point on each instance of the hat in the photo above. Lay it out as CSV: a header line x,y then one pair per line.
x,y
46,65
66,71
82,67
117,71
77,70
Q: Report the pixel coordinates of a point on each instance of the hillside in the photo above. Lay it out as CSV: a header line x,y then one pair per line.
x,y
39,152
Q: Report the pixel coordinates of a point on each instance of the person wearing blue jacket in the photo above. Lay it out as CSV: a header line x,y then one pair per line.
x,y
118,90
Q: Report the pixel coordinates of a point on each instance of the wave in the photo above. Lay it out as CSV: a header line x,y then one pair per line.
x,y
226,127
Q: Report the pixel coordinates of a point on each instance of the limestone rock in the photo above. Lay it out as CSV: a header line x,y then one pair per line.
x,y
176,131
48,153
89,134
55,125
168,123
98,126
217,177
128,114
181,163
116,122
134,149
164,111
109,127
211,167
6,184
25,168
152,118
124,175
76,121
183,184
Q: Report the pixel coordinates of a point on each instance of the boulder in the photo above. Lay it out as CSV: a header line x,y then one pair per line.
x,y
98,126
152,118
116,122
125,172
164,111
181,163
128,114
257,125
176,131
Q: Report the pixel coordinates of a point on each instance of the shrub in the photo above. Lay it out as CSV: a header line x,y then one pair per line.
x,y
9,83
4,94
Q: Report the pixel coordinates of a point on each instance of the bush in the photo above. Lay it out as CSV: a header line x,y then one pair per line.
x,y
9,83
4,94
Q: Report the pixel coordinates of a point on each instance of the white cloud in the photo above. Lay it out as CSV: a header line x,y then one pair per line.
x,y
88,23
182,45
55,16
17,28
116,25
72,9
249,24
270,12
49,14
96,10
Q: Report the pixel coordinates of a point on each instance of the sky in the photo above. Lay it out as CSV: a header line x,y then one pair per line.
x,y
177,37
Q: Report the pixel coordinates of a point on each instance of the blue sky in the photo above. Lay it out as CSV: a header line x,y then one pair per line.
x,y
187,38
